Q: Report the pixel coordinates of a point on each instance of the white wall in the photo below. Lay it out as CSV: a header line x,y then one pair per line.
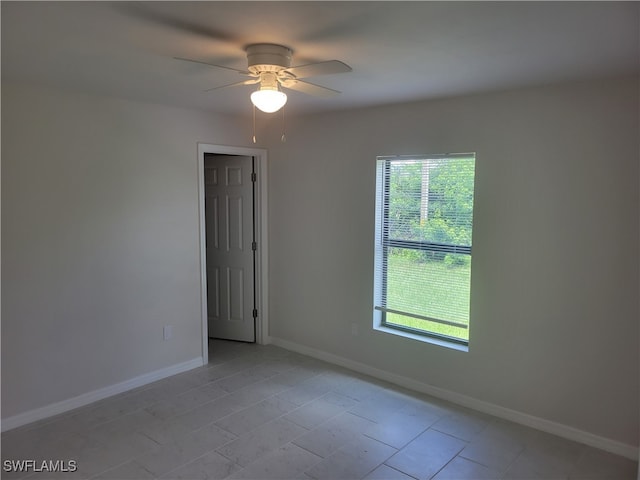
x,y
100,244
554,330
99,241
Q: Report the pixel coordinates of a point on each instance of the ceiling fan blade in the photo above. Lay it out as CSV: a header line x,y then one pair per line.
x,y
345,24
319,68
251,81
243,72
153,14
309,88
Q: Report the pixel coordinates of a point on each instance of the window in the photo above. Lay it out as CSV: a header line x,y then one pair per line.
x,y
424,216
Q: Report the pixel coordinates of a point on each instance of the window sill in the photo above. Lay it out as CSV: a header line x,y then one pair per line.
x,y
422,338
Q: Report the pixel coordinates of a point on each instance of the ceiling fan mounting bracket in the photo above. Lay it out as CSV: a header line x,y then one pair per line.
x,y
268,57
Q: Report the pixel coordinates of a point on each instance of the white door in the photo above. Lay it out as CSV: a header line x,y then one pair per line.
x,y
230,244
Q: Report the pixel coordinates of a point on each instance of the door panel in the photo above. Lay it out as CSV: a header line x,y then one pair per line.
x,y
235,230
229,227
235,294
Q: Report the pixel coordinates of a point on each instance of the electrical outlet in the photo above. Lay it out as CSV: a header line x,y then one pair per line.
x,y
168,332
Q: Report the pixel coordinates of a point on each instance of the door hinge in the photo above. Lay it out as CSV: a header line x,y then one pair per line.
x,y
254,246
255,313
254,176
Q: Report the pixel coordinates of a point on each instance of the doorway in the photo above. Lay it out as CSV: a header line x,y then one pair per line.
x,y
233,243
229,246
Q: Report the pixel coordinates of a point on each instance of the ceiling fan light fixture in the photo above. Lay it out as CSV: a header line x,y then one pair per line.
x,y
269,99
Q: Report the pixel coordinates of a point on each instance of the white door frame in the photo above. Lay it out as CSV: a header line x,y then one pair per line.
x,y
262,322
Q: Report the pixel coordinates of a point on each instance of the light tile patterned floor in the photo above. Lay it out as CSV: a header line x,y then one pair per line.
x,y
261,412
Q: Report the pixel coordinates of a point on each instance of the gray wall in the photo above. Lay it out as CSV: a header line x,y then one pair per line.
x,y
100,241
554,314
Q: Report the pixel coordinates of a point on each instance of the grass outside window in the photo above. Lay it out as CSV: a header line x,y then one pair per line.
x,y
432,299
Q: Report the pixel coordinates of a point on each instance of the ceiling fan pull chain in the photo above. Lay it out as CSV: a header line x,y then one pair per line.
x,y
254,124
283,138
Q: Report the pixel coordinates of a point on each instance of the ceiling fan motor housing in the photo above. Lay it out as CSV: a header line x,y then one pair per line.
x,y
267,57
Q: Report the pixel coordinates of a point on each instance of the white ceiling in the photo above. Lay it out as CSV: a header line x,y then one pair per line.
x,y
399,51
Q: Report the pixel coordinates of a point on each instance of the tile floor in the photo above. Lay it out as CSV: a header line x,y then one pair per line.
x,y
261,412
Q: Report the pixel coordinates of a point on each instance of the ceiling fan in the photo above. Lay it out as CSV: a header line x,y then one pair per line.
x,y
269,66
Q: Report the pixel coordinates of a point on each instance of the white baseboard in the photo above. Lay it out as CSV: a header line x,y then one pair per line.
x,y
25,418
565,431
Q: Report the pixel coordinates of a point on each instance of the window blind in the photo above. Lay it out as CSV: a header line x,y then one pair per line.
x,y
424,219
